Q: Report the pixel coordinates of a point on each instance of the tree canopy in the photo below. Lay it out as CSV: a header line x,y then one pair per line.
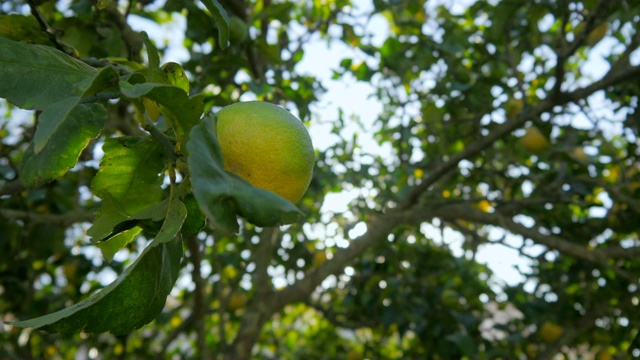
x,y
502,123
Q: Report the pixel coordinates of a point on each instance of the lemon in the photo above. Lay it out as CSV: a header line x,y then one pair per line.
x,y
514,106
266,146
319,258
533,140
237,300
550,332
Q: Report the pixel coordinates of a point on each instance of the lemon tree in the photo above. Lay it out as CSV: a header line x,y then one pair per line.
x,y
139,189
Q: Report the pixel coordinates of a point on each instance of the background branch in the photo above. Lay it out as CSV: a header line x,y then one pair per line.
x,y
45,218
199,306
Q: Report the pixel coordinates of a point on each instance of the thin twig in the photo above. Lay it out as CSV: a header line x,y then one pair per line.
x,y
42,218
51,32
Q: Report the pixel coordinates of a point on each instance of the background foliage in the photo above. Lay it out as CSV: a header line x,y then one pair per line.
x,y
381,280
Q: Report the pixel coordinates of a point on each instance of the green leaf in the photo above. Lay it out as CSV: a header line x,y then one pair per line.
x,y
111,247
195,220
41,77
35,76
133,300
222,20
108,217
221,195
55,115
176,75
64,146
130,172
20,27
115,231
182,110
152,52
176,214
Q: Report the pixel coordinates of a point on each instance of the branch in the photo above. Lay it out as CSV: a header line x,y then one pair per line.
x,y
13,188
598,257
131,38
377,230
614,76
262,254
51,32
43,218
199,306
471,150
262,304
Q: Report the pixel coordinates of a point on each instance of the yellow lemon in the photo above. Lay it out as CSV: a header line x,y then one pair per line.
x,y
319,258
266,146
579,155
550,332
603,355
237,300
533,140
514,106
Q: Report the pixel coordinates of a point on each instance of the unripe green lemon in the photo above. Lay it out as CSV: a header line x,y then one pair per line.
x,y
266,146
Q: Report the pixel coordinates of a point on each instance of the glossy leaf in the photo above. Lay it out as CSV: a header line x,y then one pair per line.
x,y
183,110
130,302
65,145
130,172
21,27
52,75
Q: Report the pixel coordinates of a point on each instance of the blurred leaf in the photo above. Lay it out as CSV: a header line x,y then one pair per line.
x,y
152,52
222,20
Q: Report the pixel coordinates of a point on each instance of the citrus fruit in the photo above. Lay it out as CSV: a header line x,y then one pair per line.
x,y
237,300
266,146
319,258
533,140
550,332
514,106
